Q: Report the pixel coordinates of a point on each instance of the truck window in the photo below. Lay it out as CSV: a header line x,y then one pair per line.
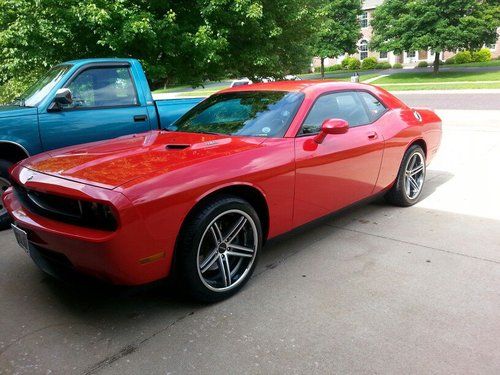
x,y
103,87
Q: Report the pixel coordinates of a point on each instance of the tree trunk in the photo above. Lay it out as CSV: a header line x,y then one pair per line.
x,y
436,62
322,68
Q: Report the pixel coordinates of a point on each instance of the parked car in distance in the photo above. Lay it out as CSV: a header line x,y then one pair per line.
x,y
241,82
77,102
203,195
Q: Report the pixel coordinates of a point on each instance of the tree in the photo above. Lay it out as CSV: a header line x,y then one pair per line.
x,y
264,37
339,29
438,25
177,41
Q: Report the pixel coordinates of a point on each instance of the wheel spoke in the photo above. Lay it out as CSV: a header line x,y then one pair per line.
x,y
408,187
216,233
413,183
241,248
209,261
418,169
412,162
235,230
240,251
225,270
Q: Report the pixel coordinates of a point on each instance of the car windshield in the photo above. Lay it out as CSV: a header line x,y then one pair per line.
x,y
246,113
36,93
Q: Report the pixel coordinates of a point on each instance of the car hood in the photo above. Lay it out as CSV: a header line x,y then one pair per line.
x,y
16,111
110,164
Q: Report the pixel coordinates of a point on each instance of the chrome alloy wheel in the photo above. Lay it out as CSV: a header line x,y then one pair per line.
x,y
414,175
227,250
4,185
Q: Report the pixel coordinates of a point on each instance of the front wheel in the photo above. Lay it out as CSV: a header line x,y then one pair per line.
x,y
411,177
219,248
4,185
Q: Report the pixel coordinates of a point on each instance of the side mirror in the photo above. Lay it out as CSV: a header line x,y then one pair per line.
x,y
63,97
332,126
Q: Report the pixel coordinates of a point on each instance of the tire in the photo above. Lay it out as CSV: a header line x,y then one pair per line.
x,y
4,184
404,192
205,252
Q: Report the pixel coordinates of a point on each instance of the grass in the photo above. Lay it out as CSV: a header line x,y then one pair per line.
x,y
340,74
476,64
440,77
172,89
457,86
395,82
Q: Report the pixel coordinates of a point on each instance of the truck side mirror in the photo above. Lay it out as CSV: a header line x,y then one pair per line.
x,y
63,97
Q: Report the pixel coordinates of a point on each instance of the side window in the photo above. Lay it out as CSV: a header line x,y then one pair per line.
x,y
344,105
103,87
375,108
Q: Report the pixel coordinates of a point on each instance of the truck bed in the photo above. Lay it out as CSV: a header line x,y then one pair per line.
x,y
170,110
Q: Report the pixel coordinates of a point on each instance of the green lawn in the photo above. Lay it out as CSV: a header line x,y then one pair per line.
x,y
174,88
394,82
440,77
458,86
477,64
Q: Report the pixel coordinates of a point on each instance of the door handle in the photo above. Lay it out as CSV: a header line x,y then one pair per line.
x,y
140,118
372,135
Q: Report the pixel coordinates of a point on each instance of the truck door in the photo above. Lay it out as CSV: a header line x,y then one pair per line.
x,y
105,105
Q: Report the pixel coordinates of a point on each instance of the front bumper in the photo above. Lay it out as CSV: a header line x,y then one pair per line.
x,y
117,257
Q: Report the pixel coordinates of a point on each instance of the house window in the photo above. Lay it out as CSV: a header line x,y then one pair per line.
x,y
363,49
492,46
410,54
363,19
383,55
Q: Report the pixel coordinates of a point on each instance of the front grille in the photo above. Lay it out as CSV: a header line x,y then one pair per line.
x,y
67,210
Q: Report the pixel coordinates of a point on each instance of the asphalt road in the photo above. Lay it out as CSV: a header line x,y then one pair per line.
x,y
376,289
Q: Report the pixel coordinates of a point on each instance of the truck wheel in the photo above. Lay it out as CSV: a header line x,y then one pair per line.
x,y
4,184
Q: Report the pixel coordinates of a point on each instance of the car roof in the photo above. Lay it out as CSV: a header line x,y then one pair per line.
x,y
306,86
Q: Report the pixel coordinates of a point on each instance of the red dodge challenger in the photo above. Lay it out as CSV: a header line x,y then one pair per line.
x,y
203,195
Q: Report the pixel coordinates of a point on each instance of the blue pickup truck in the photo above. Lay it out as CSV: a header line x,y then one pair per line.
x,y
77,102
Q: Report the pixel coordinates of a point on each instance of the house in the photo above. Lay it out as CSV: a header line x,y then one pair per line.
x,y
407,58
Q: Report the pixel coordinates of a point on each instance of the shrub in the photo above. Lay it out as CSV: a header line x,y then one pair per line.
x,y
333,68
482,55
369,63
383,65
450,61
463,57
423,64
397,66
345,62
354,64
351,63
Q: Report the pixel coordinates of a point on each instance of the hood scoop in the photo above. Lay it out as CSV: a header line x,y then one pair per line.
x,y
176,147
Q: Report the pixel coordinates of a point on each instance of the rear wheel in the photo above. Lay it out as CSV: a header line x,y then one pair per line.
x,y
4,185
219,249
410,181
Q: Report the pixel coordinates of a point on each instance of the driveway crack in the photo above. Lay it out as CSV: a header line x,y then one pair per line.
x,y
415,244
130,348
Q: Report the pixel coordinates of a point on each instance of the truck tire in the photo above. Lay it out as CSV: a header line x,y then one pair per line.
x,y
4,184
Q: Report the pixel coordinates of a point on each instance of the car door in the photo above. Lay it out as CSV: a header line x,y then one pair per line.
x,y
343,169
105,105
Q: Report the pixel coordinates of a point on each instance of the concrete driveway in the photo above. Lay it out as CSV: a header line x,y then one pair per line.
x,y
376,289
